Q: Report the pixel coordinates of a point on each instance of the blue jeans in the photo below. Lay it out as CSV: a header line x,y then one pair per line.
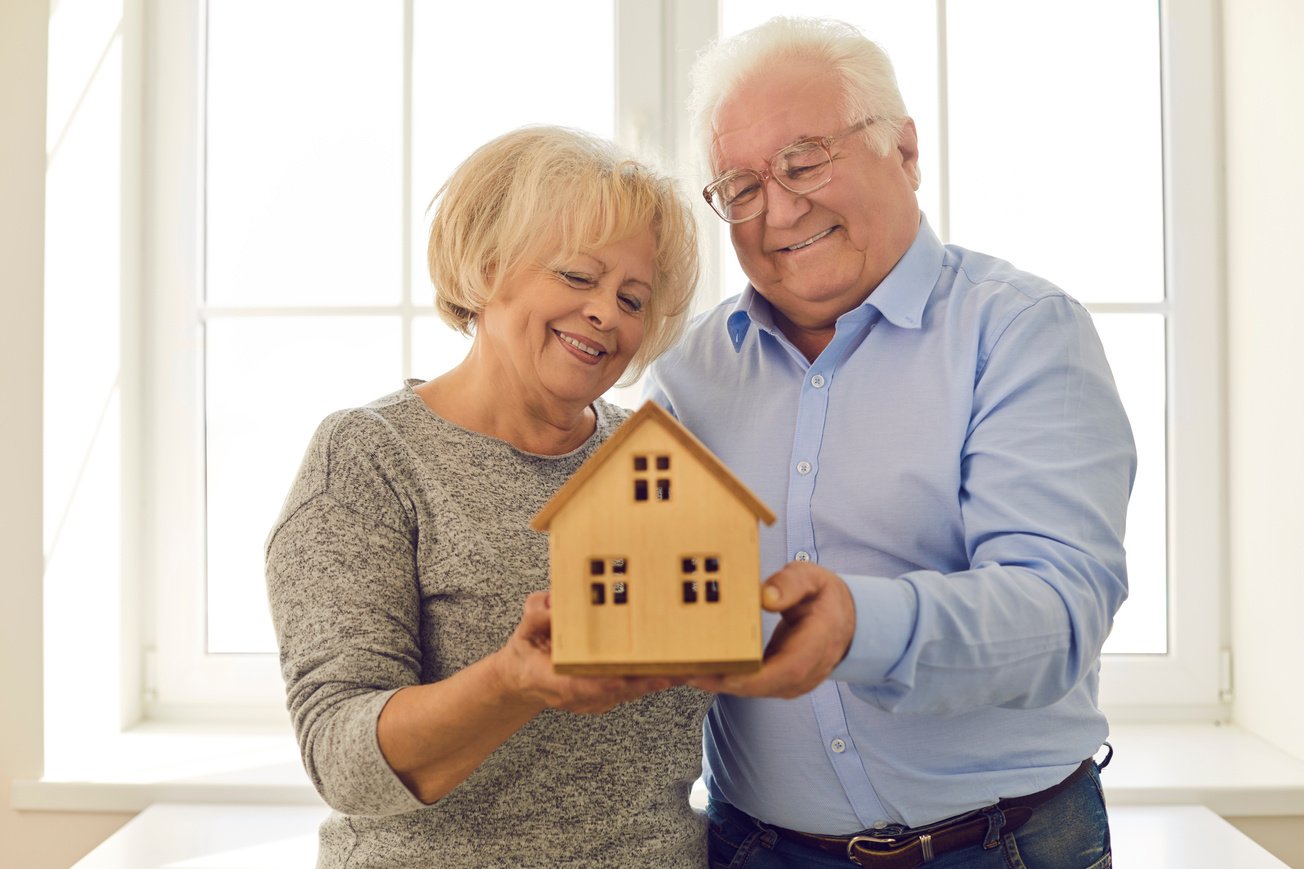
x,y
1069,832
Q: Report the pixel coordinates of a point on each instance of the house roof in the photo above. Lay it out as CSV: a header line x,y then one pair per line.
x,y
648,412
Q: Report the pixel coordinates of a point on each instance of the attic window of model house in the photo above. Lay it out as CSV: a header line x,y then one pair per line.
x,y
652,475
604,567
701,578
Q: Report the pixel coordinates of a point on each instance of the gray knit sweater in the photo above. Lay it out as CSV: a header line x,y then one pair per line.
x,y
403,555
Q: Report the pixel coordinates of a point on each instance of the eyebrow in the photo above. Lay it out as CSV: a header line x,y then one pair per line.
x,y
776,152
606,268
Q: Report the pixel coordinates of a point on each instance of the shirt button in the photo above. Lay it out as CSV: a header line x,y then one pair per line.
x,y
817,381
802,555
838,746
803,468
878,825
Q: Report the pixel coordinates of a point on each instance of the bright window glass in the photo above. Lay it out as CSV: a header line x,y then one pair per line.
x,y
324,147
1135,345
305,152
1056,160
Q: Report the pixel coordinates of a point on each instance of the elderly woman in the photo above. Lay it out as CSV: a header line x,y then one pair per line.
x,y
406,587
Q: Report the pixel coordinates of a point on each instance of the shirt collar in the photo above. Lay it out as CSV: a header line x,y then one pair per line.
x,y
750,308
900,297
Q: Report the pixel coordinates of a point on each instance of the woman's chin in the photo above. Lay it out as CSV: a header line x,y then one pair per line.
x,y
584,394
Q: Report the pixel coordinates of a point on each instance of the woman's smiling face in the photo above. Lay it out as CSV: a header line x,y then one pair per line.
x,y
564,332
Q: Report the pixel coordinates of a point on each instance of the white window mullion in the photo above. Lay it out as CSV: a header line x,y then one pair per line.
x,y
943,130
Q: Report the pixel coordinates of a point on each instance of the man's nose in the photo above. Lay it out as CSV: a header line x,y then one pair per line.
x,y
783,208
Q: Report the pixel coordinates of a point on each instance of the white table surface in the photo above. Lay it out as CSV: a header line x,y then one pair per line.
x,y
212,836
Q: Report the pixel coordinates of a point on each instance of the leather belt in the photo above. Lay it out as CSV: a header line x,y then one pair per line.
x,y
915,847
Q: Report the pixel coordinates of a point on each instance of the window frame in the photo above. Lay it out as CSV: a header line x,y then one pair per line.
x,y
1192,680
183,682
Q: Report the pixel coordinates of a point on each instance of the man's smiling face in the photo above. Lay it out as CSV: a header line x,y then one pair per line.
x,y
818,255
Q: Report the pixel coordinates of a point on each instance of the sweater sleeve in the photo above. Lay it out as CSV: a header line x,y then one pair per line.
x,y
344,599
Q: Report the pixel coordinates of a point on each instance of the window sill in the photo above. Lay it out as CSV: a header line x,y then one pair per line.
x,y
1225,768
172,763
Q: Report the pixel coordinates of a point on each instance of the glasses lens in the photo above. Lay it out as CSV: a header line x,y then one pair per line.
x,y
804,167
738,196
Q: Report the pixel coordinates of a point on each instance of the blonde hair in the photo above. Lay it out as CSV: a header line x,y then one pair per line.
x,y
550,193
869,88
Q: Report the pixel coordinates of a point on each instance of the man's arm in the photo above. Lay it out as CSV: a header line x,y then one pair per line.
x,y
1045,474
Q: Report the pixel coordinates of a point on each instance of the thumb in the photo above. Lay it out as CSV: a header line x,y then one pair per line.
x,y
771,596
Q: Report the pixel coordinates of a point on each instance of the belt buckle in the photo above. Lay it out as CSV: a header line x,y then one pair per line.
x,y
873,840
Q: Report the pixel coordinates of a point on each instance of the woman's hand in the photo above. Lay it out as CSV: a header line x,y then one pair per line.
x,y
525,667
435,735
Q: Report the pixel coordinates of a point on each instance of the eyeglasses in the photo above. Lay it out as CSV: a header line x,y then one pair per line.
x,y
802,167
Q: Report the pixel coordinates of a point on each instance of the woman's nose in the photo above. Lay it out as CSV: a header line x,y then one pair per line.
x,y
600,308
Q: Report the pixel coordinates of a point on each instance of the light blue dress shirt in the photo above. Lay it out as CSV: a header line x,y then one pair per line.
x,y
959,455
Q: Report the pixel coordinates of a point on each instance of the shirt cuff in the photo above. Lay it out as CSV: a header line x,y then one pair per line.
x,y
885,620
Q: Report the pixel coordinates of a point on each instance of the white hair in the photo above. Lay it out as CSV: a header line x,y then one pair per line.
x,y
869,87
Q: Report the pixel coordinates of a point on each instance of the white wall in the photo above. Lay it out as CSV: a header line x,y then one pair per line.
x,y
1265,321
1264,76
33,840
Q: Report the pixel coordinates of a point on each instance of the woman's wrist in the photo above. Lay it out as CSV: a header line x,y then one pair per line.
x,y
507,683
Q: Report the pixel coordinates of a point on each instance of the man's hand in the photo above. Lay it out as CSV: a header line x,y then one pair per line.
x,y
819,620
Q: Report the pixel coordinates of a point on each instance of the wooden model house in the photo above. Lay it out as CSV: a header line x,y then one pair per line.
x,y
654,552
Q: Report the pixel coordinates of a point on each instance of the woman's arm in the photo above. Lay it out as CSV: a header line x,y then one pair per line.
x,y
435,735
345,600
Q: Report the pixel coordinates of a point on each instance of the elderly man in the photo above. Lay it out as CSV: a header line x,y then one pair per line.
x,y
943,441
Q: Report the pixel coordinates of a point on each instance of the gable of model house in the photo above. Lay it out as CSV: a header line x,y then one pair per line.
x,y
654,556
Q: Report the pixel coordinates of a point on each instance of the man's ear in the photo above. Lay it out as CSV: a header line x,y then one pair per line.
x,y
908,148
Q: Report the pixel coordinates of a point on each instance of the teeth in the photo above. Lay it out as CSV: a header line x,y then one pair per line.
x,y
592,351
810,240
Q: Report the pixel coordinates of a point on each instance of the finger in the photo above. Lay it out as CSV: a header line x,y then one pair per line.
x,y
536,617
537,602
790,585
595,696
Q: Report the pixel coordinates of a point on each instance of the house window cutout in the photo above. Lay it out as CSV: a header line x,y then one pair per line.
x,y
700,578
616,567
647,487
